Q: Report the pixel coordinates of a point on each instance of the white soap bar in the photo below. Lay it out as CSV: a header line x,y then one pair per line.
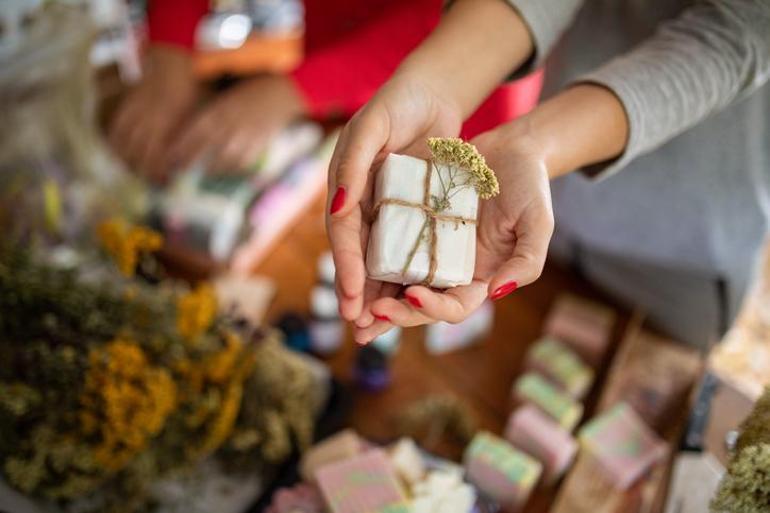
x,y
397,228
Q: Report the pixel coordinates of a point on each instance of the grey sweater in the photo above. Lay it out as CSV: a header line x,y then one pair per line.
x,y
694,191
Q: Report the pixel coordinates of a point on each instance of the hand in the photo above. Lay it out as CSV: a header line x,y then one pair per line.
x,y
398,119
513,233
141,129
233,130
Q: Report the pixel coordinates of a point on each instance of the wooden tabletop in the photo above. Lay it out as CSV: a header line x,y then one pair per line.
x,y
481,376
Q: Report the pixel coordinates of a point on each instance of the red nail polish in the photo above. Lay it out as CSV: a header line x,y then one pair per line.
x,y
504,290
414,301
381,317
338,200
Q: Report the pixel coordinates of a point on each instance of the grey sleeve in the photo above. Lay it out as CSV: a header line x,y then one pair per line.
x,y
547,20
714,53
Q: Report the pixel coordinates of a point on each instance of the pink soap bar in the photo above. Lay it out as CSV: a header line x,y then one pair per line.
x,y
339,446
366,483
584,325
622,444
500,471
535,433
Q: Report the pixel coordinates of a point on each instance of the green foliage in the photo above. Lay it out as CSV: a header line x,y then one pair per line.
x,y
746,486
235,394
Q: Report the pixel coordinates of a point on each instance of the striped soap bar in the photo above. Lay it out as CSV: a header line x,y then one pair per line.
x,y
583,325
535,433
366,483
561,365
535,389
499,471
622,444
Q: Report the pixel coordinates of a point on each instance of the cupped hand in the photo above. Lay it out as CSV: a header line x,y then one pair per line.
x,y
141,130
232,131
513,233
398,119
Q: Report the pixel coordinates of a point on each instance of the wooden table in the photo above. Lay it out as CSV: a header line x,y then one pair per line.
x,y
481,376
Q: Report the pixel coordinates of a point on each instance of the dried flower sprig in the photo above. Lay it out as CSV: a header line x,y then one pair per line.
x,y
456,152
746,485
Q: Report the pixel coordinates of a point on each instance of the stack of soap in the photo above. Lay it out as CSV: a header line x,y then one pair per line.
x,y
365,483
538,435
499,471
622,444
401,242
561,365
534,389
584,325
340,446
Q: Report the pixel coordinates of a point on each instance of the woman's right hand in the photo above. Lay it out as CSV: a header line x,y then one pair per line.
x,y
399,119
141,130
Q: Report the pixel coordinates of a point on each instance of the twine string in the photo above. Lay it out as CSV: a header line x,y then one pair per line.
x,y
432,217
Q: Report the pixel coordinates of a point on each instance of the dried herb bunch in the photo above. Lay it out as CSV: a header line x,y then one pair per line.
x,y
746,485
110,384
463,155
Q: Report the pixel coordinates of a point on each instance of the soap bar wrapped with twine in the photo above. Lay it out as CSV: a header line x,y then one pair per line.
x,y
424,215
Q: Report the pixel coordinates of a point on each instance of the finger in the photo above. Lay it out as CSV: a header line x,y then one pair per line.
x,y
156,139
363,336
121,125
193,141
237,153
365,138
374,290
533,234
399,312
451,305
351,275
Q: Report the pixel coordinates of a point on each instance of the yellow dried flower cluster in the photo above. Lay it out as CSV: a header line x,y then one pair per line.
x,y
196,311
229,367
125,242
463,155
125,401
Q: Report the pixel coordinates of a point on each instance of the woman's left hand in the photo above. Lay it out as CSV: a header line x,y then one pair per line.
x,y
513,233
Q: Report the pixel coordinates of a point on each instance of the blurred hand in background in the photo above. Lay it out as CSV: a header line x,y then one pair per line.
x,y
233,129
153,111
161,126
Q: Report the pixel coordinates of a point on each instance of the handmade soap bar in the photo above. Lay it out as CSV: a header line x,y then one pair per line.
x,y
424,215
339,446
624,447
405,238
499,471
407,460
561,365
584,325
365,483
533,388
535,433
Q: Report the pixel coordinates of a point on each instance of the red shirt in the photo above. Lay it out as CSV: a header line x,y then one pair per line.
x,y
351,48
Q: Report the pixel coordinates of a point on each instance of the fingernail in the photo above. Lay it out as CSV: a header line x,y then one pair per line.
x,y
338,200
504,290
414,301
381,317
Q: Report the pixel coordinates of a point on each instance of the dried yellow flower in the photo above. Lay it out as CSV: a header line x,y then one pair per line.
x,y
196,311
125,242
131,399
463,155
